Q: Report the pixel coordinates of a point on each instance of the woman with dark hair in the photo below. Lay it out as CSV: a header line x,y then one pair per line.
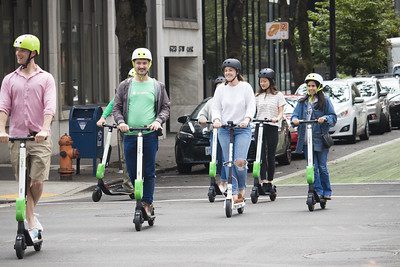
x,y
234,101
315,106
269,105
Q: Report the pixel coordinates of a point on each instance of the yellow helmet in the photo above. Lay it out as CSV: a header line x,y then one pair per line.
x,y
29,42
132,73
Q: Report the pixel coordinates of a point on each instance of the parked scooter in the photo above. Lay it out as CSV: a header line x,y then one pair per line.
x,y
113,187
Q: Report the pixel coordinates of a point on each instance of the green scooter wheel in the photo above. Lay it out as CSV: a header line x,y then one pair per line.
x,y
100,171
212,169
138,189
256,169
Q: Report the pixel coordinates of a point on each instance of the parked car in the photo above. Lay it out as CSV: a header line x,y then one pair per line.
x,y
291,101
192,143
392,85
377,103
351,111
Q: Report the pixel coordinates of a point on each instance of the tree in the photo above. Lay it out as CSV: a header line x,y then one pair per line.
x,y
298,45
234,31
362,28
130,30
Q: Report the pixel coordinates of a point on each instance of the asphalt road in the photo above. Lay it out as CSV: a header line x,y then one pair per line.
x,y
359,227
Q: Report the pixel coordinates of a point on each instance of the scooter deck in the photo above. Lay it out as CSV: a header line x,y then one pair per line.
x,y
113,188
261,191
28,239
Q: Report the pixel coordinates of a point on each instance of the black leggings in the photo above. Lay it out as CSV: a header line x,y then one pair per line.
x,y
270,141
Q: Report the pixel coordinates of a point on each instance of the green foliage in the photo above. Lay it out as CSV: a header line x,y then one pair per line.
x,y
362,28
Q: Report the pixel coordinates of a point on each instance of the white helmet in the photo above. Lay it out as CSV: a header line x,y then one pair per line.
x,y
314,77
141,53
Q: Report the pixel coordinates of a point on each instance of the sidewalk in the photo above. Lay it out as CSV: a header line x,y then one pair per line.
x,y
54,189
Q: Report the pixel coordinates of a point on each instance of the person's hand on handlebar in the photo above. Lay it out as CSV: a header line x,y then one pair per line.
x,y
123,127
4,137
41,136
321,120
100,122
155,125
217,123
296,122
202,121
244,123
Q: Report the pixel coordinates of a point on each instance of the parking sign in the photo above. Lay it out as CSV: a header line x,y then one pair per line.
x,y
277,30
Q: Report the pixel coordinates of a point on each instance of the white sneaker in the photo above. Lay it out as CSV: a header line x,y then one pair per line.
x,y
34,234
38,225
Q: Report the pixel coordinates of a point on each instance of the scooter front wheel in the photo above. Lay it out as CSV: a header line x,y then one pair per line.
x,y
96,195
211,194
138,220
228,208
19,247
254,195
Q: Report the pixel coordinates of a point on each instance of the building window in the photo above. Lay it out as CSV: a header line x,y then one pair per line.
x,y
82,46
181,10
20,17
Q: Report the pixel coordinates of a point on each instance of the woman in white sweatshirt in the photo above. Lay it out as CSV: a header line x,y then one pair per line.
x,y
234,101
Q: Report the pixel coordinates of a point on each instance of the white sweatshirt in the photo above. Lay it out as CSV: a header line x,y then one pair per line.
x,y
233,103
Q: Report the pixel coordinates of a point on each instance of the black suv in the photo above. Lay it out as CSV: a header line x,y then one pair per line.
x,y
192,143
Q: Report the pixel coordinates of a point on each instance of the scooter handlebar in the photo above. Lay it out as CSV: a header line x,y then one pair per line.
x,y
109,125
262,121
28,138
308,121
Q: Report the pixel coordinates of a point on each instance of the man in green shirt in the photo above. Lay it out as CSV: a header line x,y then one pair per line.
x,y
141,101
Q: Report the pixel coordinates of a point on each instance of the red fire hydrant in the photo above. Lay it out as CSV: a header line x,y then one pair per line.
x,y
67,154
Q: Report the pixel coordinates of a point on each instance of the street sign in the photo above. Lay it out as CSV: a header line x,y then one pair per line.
x,y
277,30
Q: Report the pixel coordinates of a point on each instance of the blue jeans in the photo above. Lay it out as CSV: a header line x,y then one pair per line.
x,y
242,139
322,184
150,147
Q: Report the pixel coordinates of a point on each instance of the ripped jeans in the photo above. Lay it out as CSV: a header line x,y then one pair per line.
x,y
241,144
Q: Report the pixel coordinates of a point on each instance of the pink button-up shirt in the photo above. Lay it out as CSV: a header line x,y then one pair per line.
x,y
27,99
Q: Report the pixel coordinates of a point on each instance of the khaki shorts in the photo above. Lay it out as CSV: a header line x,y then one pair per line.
x,y
38,157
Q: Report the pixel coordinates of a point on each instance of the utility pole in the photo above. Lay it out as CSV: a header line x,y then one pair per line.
x,y
332,39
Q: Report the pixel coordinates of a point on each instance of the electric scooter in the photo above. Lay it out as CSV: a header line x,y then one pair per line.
x,y
257,189
140,213
312,196
114,187
229,205
213,190
23,239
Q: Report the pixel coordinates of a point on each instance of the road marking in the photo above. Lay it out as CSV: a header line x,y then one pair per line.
x,y
14,196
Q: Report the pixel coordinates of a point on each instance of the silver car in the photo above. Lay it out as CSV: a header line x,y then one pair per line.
x,y
377,103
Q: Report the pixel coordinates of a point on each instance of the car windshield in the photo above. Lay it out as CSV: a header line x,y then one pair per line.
x,y
367,88
288,109
338,92
196,111
391,85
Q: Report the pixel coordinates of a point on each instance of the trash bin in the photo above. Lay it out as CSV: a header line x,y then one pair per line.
x,y
86,136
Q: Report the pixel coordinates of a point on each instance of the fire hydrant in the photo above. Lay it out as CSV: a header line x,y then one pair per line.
x,y
67,154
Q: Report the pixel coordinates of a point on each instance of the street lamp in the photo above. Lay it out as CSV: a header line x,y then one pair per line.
x,y
332,39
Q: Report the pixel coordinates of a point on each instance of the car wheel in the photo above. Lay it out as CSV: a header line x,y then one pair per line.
x,y
353,138
184,168
365,135
388,123
381,126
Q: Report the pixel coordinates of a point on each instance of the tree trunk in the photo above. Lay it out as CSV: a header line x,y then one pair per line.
x,y
297,17
131,30
234,32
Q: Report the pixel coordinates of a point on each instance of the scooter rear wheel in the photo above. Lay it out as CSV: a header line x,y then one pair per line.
x,y
240,210
228,208
272,197
38,246
323,204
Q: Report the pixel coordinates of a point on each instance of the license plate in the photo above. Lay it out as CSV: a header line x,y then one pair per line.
x,y
208,150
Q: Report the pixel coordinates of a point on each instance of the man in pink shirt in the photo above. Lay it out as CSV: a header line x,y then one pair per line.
x,y
28,97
